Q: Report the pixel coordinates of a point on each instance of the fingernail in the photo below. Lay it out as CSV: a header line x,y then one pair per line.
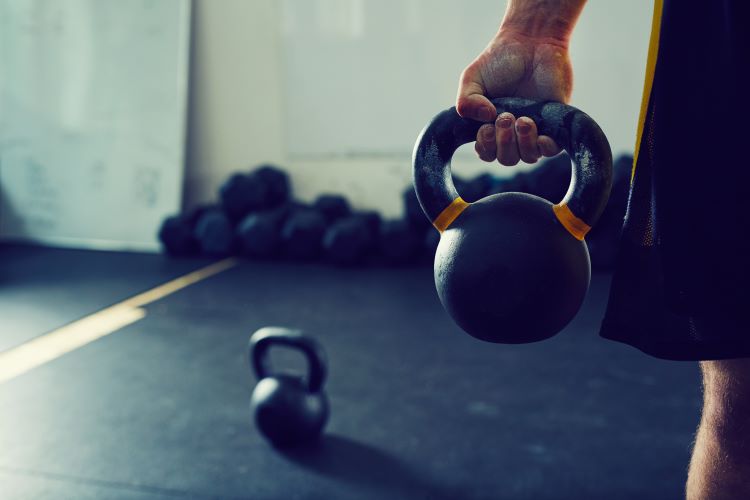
x,y
487,132
523,127
505,122
486,114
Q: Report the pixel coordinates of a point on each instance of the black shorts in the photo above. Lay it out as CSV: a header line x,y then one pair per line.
x,y
680,288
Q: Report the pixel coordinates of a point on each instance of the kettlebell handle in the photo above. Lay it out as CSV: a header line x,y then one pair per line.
x,y
270,336
571,128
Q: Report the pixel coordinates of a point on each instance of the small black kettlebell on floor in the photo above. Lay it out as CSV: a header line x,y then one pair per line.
x,y
289,410
513,268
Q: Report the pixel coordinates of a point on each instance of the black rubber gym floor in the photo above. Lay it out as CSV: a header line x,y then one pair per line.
x,y
159,409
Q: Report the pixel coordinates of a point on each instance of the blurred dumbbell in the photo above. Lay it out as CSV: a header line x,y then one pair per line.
x,y
477,188
400,243
259,233
332,206
263,188
515,184
348,241
430,244
302,234
176,236
373,221
214,233
550,178
413,213
177,232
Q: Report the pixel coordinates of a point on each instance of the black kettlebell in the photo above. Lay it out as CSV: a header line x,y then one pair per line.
x,y
289,410
513,268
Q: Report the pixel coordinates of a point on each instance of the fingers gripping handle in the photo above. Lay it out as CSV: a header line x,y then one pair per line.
x,y
571,128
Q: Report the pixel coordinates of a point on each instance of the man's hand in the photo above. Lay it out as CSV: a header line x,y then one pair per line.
x,y
513,66
527,59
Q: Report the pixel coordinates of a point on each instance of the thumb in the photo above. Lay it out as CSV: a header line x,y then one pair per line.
x,y
471,101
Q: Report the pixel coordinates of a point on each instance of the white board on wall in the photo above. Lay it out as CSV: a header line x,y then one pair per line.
x,y
93,97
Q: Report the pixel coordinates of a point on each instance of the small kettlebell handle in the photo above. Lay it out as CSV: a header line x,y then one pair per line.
x,y
270,336
571,128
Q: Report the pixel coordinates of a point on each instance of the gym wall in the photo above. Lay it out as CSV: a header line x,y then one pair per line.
x,y
239,96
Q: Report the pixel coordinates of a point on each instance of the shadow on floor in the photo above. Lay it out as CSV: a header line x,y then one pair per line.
x,y
365,466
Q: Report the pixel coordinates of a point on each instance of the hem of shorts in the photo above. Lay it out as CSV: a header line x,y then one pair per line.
x,y
676,351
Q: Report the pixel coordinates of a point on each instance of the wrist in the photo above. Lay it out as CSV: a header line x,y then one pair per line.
x,y
551,21
536,33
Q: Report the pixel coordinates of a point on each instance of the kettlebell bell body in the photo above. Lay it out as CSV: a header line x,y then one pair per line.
x,y
540,264
289,410
512,267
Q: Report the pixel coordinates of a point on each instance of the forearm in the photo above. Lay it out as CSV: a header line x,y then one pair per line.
x,y
551,19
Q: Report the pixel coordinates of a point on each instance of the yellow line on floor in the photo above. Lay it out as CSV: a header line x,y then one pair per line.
x,y
54,344
171,287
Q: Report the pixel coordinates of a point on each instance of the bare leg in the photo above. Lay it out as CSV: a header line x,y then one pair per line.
x,y
720,467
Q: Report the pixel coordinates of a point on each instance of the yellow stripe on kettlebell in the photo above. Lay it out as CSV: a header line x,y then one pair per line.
x,y
449,214
568,219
